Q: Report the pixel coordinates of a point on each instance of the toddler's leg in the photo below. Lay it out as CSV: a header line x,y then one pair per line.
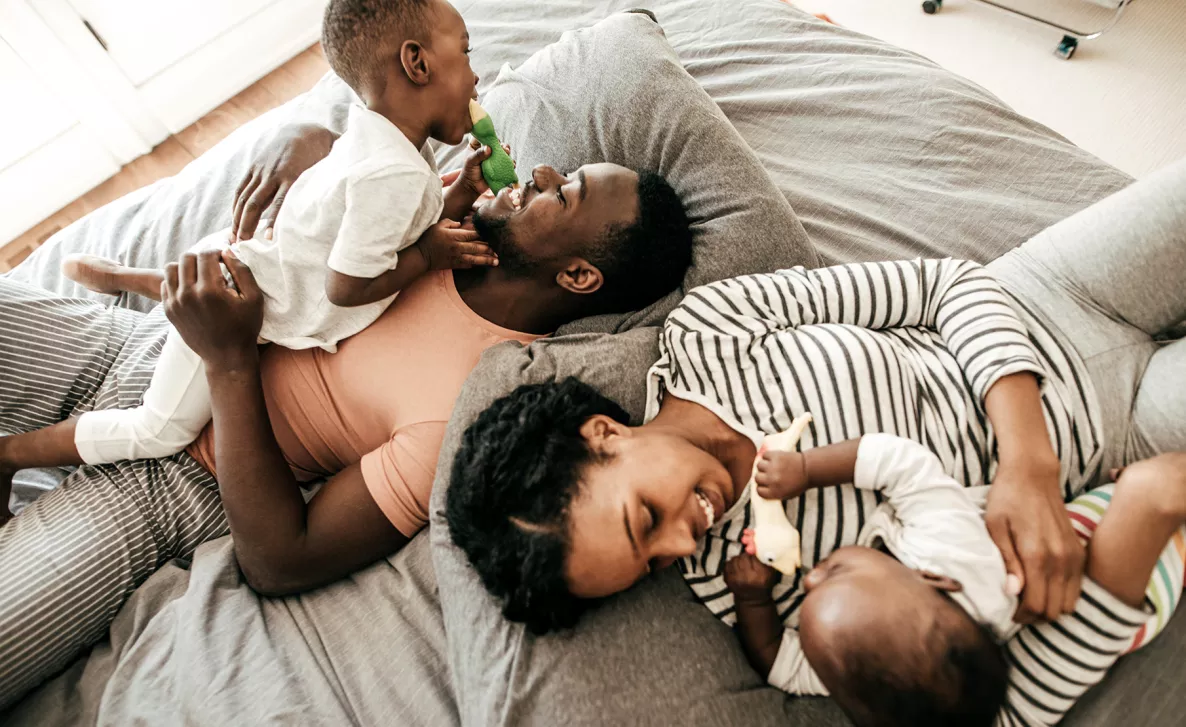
x,y
111,277
175,409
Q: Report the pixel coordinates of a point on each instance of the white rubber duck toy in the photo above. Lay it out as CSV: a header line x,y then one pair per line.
x,y
774,540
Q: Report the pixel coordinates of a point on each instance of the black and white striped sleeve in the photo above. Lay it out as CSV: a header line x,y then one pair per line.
x,y
1051,665
956,298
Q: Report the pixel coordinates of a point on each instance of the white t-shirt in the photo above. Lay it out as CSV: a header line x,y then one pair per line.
x,y
928,522
374,195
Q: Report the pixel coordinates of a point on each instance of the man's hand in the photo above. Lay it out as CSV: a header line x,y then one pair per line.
x,y
1028,522
219,322
749,579
291,150
781,475
449,245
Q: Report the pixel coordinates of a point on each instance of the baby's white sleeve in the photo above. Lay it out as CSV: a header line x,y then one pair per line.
x,y
385,211
910,476
791,672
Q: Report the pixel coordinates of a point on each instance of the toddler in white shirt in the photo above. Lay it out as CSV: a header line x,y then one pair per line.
x,y
355,229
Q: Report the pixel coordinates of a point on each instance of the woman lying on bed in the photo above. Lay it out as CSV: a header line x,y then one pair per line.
x,y
1034,374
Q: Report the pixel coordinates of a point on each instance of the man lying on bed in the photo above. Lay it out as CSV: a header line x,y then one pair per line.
x,y
372,416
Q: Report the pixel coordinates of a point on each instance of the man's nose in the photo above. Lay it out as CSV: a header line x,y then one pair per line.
x,y
546,177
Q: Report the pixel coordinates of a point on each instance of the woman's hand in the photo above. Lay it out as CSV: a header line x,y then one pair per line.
x,y
291,150
1028,521
219,322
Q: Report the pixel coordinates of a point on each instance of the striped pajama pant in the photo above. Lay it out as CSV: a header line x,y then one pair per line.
x,y
71,559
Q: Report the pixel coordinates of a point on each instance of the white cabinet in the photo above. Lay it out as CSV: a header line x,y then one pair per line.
x,y
88,85
146,37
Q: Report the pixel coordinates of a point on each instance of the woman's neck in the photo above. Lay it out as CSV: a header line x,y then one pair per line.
x,y
704,429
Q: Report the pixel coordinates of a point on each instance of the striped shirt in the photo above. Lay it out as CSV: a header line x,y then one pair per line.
x,y
908,348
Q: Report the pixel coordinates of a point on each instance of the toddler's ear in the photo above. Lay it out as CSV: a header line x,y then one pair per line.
x,y
414,60
940,583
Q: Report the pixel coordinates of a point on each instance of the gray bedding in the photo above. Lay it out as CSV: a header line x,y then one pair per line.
x,y
880,154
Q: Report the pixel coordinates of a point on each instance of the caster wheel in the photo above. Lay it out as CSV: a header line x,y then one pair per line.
x,y
1066,49
930,7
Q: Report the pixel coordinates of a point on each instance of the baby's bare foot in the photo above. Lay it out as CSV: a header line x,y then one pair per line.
x,y
1162,479
99,274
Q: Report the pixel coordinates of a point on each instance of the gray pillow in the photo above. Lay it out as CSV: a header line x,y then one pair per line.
x,y
616,92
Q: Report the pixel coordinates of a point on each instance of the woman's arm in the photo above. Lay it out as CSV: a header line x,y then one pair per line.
x,y
1025,513
283,545
957,298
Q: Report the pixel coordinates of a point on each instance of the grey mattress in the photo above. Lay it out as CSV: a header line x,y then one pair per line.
x,y
881,154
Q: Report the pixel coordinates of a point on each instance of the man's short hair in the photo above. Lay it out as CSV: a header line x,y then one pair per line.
x,y
644,261
517,471
359,35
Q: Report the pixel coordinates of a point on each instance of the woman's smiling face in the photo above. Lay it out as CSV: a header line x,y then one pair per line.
x,y
647,502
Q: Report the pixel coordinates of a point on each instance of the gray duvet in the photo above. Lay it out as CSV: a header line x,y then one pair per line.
x,y
880,153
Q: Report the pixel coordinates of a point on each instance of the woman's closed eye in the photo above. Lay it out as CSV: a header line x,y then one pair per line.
x,y
560,196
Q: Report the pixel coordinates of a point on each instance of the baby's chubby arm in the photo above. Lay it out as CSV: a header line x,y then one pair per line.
x,y
772,650
758,625
787,475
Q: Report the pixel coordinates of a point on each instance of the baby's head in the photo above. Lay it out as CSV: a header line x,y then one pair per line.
x,y
894,649
405,58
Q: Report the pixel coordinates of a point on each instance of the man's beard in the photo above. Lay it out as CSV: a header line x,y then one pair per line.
x,y
495,232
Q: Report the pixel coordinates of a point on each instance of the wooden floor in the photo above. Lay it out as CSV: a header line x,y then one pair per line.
x,y
279,86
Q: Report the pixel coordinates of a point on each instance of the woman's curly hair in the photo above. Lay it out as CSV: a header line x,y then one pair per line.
x,y
513,479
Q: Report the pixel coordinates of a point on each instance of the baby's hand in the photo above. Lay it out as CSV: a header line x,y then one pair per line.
x,y
750,580
781,475
449,246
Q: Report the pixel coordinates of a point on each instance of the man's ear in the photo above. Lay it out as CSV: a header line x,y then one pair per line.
x,y
940,583
600,432
581,277
414,60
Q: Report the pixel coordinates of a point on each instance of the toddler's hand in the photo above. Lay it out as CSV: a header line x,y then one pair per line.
x,y
471,172
449,246
781,475
750,580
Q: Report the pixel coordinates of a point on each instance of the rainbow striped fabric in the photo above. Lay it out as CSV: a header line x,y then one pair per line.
x,y
1165,587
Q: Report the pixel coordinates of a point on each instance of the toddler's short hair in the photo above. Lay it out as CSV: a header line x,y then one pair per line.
x,y
359,35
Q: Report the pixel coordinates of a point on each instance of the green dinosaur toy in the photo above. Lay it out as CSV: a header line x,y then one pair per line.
x,y
498,170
